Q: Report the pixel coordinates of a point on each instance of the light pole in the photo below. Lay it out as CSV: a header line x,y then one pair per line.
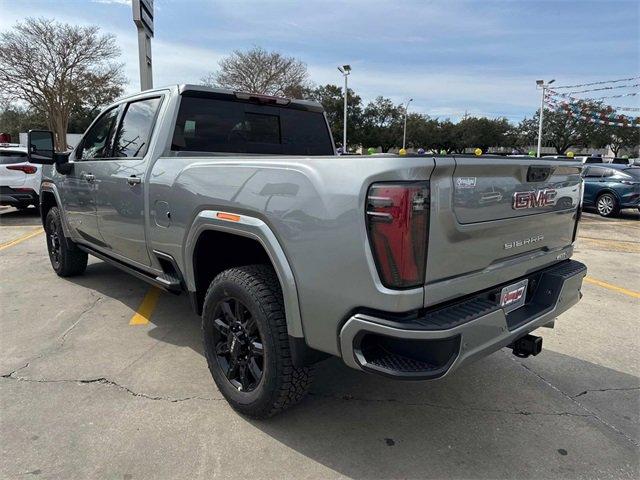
x,y
345,70
543,86
404,134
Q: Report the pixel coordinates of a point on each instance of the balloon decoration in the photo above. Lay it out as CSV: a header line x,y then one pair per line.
x,y
478,152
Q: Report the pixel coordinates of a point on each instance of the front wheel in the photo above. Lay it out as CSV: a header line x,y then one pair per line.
x,y
66,258
246,342
607,205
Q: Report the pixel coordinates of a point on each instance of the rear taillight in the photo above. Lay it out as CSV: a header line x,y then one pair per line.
x,y
398,221
28,169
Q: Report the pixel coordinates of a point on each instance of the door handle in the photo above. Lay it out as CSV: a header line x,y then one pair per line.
x,y
133,180
88,177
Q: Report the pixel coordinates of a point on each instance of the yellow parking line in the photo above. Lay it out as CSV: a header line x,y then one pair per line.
x,y
11,243
146,308
615,288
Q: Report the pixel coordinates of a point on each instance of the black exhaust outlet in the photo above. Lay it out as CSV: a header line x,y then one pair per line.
x,y
526,346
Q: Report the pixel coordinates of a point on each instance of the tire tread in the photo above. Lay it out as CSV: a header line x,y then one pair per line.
x,y
261,282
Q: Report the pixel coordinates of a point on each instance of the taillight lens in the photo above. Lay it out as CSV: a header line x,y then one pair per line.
x,y
398,222
28,169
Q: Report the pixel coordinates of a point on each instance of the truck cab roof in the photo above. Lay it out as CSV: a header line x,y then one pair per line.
x,y
213,92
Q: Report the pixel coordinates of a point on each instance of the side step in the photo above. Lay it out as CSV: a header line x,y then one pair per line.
x,y
164,281
170,282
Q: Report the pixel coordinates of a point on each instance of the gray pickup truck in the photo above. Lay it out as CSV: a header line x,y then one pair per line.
x,y
407,267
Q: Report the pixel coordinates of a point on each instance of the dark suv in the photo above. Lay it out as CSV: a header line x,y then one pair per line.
x,y
610,188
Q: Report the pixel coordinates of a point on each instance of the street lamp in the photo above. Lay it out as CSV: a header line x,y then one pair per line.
x,y
404,134
345,70
543,86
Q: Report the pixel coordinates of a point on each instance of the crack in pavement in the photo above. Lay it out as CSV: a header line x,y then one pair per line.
x,y
572,399
628,389
465,408
110,383
64,335
62,338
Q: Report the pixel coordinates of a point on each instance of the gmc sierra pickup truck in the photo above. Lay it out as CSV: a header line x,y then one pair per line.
x,y
407,267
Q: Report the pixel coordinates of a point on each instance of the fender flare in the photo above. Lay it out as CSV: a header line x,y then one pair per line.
x,y
50,187
254,228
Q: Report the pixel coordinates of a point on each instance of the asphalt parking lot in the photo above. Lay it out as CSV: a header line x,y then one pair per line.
x,y
92,389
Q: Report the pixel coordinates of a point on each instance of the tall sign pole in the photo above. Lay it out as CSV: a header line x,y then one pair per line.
x,y
143,19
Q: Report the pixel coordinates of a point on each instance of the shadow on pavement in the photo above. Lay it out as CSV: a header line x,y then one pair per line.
x,y
626,214
552,416
173,321
489,420
20,218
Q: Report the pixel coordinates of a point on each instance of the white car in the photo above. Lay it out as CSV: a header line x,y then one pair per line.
x,y
19,179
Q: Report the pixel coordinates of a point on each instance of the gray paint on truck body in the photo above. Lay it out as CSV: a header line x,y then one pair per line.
x,y
309,214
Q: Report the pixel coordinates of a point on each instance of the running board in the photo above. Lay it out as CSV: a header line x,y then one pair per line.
x,y
164,281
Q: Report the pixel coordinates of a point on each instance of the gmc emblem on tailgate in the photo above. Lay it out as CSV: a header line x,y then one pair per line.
x,y
533,199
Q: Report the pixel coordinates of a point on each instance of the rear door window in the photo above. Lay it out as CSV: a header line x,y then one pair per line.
x,y
594,172
633,172
228,126
132,139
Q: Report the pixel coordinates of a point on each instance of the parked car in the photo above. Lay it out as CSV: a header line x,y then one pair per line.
x,y
611,187
625,161
19,180
291,253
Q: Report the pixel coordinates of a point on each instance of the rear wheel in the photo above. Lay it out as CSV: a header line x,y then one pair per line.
x,y
246,342
66,258
607,205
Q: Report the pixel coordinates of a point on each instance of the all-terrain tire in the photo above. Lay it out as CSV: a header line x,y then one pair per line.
x,y
66,258
281,385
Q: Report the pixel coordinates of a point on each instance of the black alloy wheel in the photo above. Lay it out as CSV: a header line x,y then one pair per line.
x,y
54,243
238,344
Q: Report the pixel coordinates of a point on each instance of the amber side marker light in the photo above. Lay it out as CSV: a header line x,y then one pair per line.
x,y
228,216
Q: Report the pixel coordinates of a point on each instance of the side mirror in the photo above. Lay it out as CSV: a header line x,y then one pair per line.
x,y
40,147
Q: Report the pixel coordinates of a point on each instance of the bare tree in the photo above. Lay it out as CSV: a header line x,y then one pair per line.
x,y
56,67
260,71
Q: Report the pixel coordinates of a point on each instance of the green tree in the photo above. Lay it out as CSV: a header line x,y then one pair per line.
x,y
563,131
15,119
623,138
482,133
522,136
382,124
332,99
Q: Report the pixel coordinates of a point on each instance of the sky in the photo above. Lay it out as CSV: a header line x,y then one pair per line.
x,y
480,57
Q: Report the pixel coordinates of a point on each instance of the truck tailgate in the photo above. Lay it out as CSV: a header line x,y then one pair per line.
x,y
494,219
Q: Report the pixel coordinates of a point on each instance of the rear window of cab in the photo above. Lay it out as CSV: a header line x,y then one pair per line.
x,y
229,126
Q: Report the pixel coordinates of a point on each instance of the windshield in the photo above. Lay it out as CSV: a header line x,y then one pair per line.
x,y
214,125
8,157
